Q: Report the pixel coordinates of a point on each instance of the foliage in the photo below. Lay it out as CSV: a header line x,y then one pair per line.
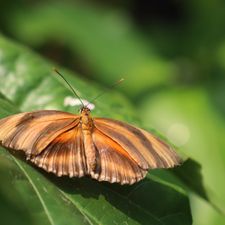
x,y
171,55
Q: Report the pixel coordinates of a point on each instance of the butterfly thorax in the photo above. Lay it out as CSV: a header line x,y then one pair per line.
x,y
86,120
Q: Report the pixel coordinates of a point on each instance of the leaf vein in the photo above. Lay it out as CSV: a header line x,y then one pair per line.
x,y
36,191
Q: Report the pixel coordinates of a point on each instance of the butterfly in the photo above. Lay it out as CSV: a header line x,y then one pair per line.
x,y
76,145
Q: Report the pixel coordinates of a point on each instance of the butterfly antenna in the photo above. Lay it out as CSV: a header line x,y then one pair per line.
x,y
74,92
102,93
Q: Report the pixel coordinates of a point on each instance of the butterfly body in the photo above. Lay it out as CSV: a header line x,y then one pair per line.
x,y
87,127
77,145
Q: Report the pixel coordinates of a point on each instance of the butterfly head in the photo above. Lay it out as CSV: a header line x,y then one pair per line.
x,y
85,111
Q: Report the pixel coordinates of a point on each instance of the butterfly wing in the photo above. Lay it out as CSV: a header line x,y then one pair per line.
x,y
65,155
34,131
144,148
114,164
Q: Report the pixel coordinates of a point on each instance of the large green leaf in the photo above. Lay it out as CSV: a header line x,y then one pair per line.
x,y
37,197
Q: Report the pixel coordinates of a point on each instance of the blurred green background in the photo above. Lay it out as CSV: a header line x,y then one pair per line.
x,y
171,54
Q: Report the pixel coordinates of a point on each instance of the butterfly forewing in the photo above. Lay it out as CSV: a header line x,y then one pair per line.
x,y
145,149
32,132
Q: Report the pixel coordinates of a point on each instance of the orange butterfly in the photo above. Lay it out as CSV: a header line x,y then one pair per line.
x,y
78,145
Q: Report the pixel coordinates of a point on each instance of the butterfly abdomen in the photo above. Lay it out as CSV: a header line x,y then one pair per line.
x,y
90,151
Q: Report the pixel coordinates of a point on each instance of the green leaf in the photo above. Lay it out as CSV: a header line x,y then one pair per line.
x,y
27,83
40,199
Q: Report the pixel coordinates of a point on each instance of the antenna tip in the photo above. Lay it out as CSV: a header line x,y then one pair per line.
x,y
55,70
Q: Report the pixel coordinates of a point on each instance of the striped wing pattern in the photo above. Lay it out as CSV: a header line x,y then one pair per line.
x,y
144,148
65,155
33,131
115,164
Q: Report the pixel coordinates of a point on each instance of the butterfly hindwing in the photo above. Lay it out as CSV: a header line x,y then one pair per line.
x,y
65,155
114,164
